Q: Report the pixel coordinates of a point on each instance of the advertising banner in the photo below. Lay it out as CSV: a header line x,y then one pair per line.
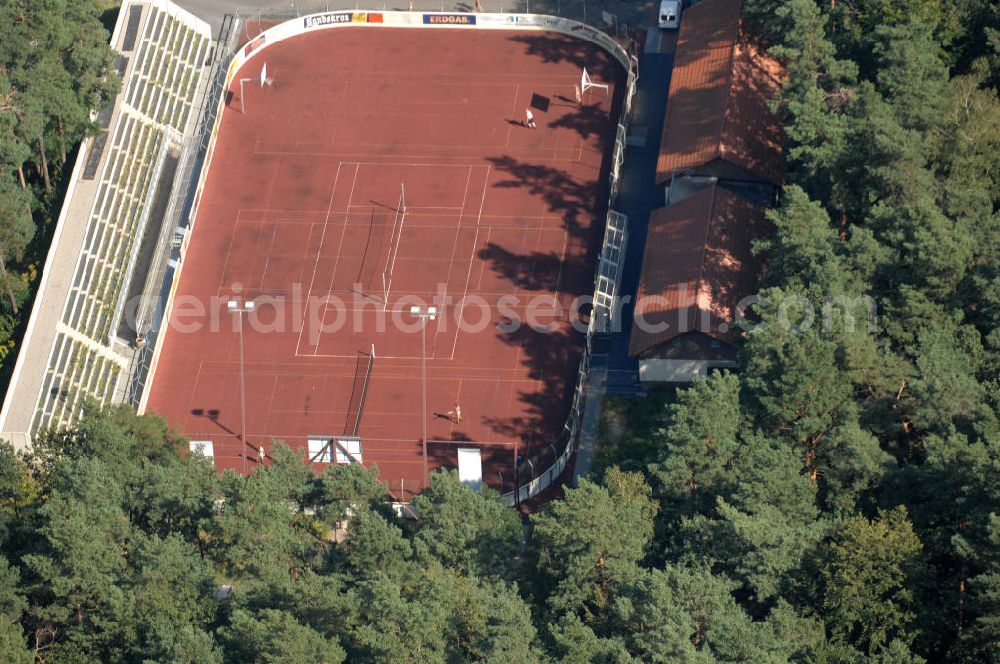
x,y
319,20
254,45
449,19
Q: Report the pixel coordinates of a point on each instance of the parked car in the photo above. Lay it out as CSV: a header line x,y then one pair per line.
x,y
670,14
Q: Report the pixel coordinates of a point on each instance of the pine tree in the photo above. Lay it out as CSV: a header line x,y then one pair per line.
x,y
587,546
872,571
473,533
697,447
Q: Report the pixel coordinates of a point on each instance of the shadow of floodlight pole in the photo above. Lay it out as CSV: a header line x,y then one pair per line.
x,y
425,314
235,308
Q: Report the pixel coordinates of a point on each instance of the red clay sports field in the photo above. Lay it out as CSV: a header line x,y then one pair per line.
x,y
302,214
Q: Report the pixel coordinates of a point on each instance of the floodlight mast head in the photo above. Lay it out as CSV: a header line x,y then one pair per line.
x,y
420,312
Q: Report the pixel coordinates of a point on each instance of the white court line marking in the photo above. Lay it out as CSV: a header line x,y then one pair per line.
x,y
562,262
458,231
232,237
322,239
343,233
360,206
350,204
267,258
472,255
456,332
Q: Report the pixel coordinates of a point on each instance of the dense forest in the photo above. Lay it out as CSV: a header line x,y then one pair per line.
x,y
55,73
835,500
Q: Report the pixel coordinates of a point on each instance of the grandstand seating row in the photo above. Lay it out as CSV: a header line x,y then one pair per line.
x,y
169,62
75,371
112,227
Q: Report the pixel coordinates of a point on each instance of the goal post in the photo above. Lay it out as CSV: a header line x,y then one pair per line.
x,y
587,83
264,80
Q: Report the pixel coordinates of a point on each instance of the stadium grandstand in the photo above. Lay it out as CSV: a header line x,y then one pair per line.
x,y
81,341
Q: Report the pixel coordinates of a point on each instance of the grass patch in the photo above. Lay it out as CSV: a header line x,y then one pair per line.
x,y
627,428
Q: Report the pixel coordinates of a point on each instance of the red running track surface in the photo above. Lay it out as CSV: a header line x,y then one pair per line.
x,y
300,211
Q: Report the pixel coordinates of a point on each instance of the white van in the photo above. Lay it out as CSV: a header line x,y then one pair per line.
x,y
670,14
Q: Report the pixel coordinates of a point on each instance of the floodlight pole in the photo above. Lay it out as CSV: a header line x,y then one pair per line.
x,y
235,308
430,313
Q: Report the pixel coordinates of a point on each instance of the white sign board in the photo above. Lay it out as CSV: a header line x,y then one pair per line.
x,y
319,450
348,449
470,467
203,448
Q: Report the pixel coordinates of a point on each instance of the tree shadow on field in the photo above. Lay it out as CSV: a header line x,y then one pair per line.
x,y
587,120
537,271
553,359
552,48
566,196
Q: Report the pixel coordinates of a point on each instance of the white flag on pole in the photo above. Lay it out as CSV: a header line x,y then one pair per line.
x,y
263,75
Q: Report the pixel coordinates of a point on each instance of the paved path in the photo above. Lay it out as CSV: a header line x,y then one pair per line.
x,y
637,197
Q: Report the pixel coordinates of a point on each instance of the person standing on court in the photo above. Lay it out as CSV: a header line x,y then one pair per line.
x,y
455,414
529,119
576,93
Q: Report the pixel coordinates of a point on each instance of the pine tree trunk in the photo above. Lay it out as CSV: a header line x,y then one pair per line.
x,y
20,176
6,284
44,165
809,461
62,143
961,602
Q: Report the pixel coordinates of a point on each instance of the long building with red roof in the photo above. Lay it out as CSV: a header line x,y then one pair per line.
x,y
720,154
719,121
